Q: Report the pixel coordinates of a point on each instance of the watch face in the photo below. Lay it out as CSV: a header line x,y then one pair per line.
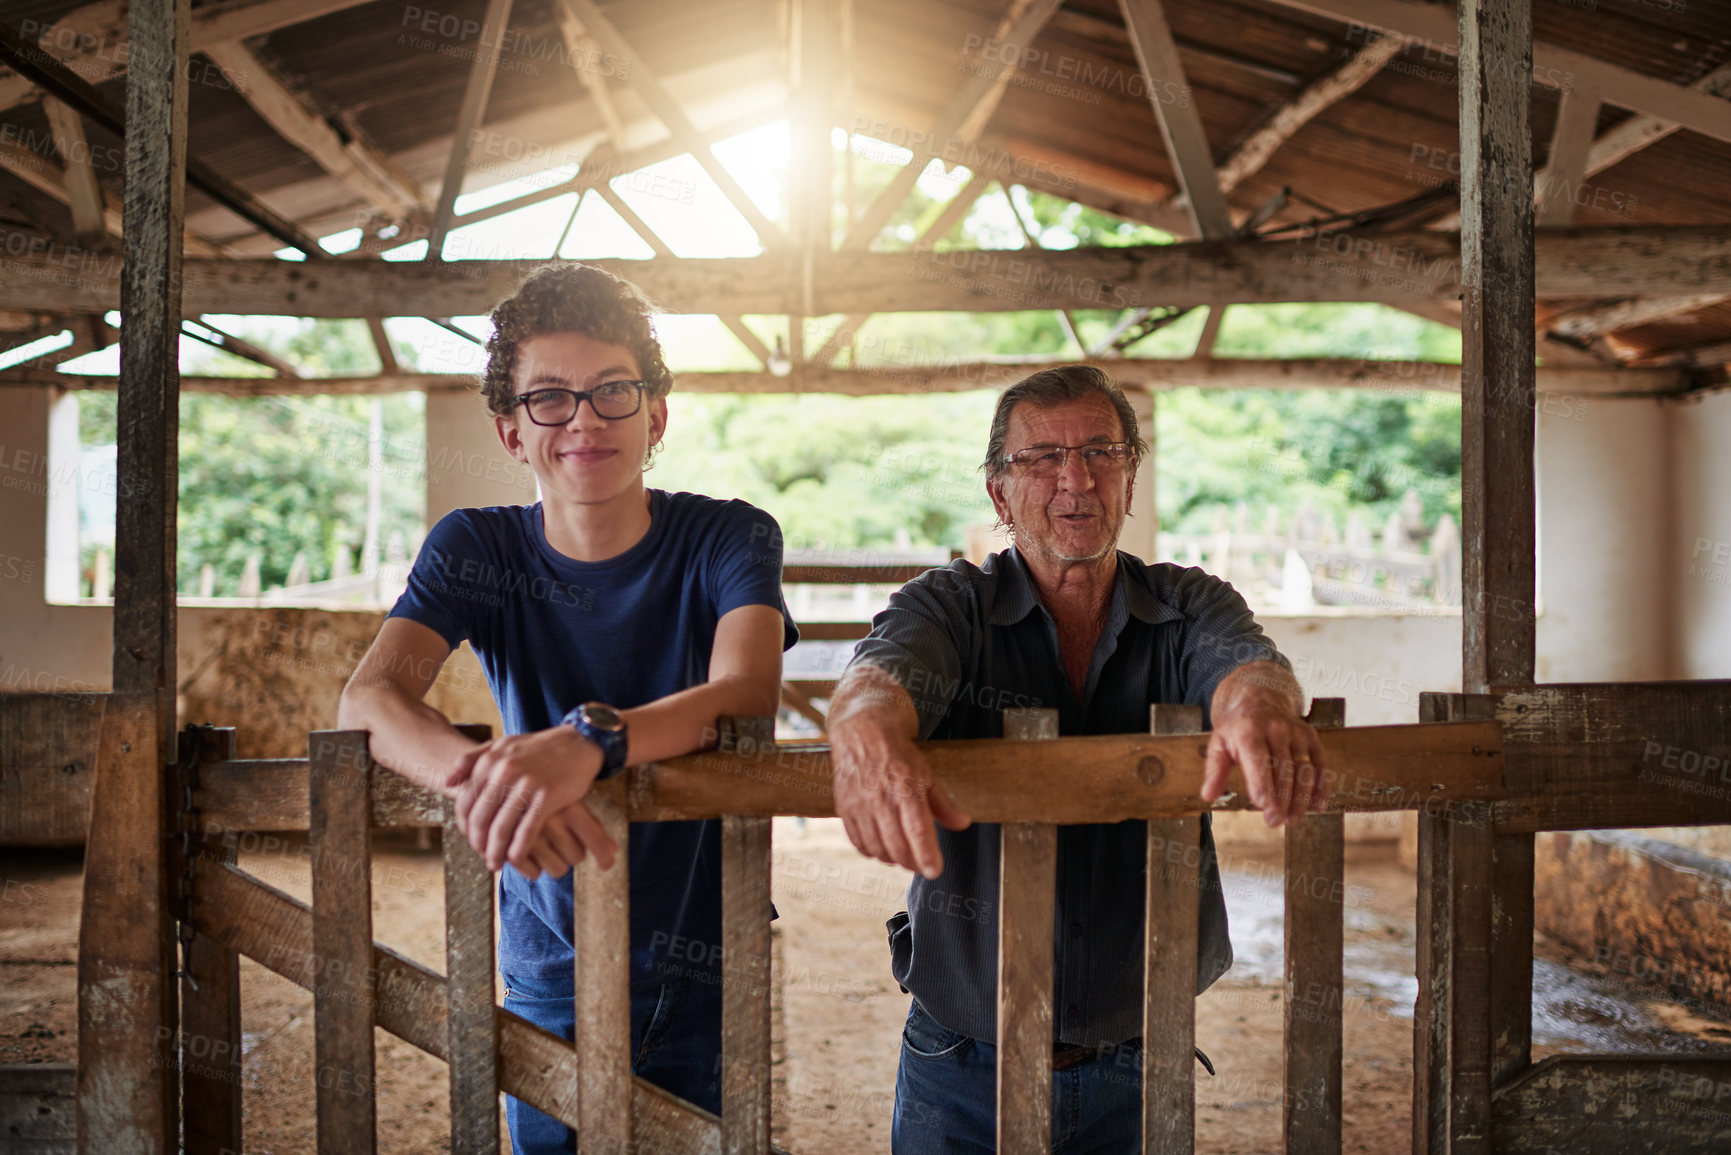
x,y
602,716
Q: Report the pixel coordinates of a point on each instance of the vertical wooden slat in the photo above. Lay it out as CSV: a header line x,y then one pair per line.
x,y
339,838
1315,884
1027,881
1475,977
210,1010
471,1035
1169,964
603,939
127,1093
745,947
126,963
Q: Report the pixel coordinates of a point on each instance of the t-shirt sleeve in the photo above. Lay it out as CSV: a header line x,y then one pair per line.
x,y
437,595
1221,635
916,639
747,566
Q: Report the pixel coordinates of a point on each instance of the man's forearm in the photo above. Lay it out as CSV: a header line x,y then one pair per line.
x,y
870,694
1256,683
683,722
406,734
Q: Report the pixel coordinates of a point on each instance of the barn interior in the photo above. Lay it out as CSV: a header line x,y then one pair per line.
x,y
1291,151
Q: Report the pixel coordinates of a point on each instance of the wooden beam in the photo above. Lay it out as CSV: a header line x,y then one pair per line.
x,y
1639,132
735,324
1396,268
602,973
1171,904
1180,121
581,47
1031,240
83,194
746,856
1566,163
469,114
77,92
1627,314
535,1065
661,102
372,177
1259,147
1432,27
1438,768
127,1006
877,380
43,174
388,366
963,118
92,40
1469,961
951,216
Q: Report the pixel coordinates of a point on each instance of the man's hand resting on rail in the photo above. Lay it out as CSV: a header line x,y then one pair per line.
x,y
884,793
519,800
1257,726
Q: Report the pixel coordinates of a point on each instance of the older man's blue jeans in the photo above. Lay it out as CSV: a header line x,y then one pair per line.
x,y
675,1044
947,1087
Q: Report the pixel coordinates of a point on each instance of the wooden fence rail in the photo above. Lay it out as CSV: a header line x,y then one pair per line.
x,y
337,794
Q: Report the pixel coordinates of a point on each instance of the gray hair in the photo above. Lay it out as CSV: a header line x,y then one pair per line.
x,y
1054,387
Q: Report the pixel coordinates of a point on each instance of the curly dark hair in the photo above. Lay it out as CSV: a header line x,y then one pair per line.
x,y
569,297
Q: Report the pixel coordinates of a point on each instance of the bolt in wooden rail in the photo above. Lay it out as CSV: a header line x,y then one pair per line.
x,y
1315,936
1027,878
1171,905
340,772
472,1049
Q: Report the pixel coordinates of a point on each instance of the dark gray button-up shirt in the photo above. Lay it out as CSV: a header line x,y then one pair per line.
x,y
968,643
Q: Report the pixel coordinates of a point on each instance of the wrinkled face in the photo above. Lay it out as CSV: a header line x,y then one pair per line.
x,y
589,459
1075,515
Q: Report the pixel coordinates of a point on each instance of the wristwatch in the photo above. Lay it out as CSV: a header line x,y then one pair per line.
x,y
604,726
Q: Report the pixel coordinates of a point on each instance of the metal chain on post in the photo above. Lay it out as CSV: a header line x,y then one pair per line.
x,y
186,773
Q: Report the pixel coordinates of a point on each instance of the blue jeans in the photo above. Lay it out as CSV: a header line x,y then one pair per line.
x,y
675,1044
947,1097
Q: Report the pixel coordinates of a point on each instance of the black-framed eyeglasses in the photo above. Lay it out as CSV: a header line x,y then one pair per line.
x,y
612,401
1101,457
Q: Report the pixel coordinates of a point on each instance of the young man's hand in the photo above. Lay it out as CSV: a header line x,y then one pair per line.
x,y
519,800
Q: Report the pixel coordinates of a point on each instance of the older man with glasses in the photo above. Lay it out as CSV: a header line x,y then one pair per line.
x,y
1061,619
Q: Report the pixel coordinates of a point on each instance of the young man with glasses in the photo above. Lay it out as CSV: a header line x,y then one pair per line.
x,y
1061,619
615,623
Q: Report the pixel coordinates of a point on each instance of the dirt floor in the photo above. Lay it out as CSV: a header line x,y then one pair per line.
x,y
839,1013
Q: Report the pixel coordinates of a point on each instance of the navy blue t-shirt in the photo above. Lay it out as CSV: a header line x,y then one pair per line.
x,y
553,633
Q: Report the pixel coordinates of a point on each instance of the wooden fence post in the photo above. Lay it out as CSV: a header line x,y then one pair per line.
x,y
603,976
745,958
471,1048
340,773
1027,899
1315,881
1172,913
210,1040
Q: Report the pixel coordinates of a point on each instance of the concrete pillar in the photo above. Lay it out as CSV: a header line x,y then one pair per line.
x,y
60,551
466,465
43,648
1602,470
1142,526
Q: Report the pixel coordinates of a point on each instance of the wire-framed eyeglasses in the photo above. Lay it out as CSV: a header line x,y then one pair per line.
x,y
1101,457
612,401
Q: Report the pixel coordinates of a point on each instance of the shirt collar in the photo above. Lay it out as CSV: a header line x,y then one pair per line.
x,y
1017,597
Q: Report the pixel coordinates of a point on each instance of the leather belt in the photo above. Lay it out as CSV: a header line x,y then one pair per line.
x,y
1067,1055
